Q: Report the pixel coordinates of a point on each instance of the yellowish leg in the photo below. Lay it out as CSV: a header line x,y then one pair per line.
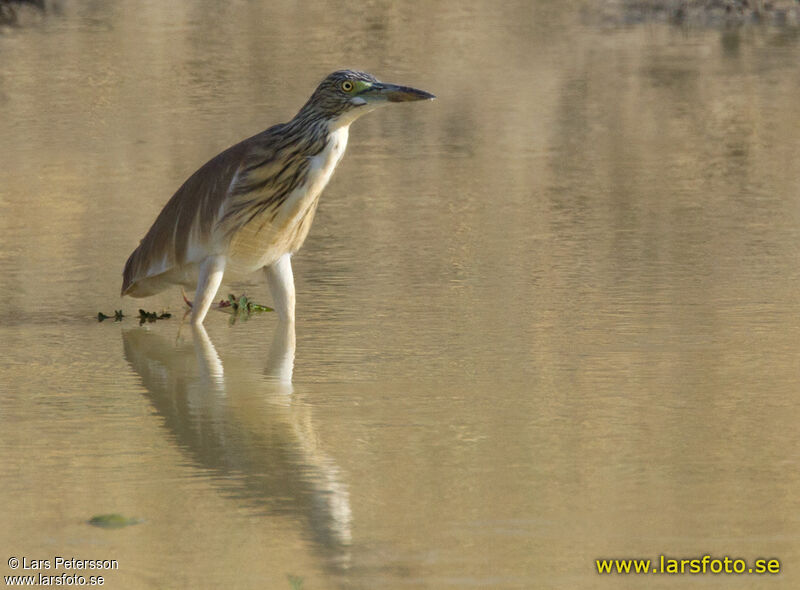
x,y
281,286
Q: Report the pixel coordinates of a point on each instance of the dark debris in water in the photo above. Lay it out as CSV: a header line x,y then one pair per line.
x,y
151,316
118,315
703,13
9,10
239,307
144,316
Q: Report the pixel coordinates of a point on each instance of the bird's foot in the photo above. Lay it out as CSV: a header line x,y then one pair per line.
x,y
186,299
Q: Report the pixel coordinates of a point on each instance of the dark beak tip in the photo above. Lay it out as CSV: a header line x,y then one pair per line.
x,y
406,94
420,95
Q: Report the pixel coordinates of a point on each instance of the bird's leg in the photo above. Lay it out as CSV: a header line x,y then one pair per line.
x,y
281,286
211,271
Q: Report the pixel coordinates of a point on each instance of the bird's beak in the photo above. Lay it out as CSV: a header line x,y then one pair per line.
x,y
395,93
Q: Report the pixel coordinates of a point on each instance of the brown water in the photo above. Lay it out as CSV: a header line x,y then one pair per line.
x,y
550,317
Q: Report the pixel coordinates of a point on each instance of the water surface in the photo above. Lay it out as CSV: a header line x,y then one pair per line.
x,y
549,317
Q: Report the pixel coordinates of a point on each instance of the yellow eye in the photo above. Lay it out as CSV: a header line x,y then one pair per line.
x,y
347,86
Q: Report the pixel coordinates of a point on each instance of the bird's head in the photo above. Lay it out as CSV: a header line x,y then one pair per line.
x,y
346,95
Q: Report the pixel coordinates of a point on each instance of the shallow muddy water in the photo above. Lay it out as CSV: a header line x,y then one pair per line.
x,y
548,318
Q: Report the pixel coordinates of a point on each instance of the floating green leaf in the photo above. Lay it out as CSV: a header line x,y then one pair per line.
x,y
113,521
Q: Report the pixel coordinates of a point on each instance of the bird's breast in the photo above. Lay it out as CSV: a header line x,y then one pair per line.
x,y
263,240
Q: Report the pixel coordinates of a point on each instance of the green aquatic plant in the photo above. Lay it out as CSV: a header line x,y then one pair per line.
x,y
241,307
295,582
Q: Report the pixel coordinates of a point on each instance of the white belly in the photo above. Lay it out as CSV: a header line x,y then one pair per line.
x,y
257,244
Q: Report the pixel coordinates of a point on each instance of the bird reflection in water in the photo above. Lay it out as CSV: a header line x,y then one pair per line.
x,y
245,427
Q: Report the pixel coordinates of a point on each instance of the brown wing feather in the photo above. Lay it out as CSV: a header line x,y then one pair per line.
x,y
243,183
195,203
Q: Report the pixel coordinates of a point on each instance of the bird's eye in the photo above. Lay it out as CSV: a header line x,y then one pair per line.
x,y
347,86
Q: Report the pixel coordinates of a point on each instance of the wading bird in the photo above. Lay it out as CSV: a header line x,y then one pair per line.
x,y
251,206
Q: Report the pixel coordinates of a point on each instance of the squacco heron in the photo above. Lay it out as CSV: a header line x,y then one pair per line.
x,y
251,206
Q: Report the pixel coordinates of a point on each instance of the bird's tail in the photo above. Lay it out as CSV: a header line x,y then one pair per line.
x,y
128,275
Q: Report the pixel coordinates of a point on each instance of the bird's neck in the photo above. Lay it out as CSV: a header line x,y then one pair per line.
x,y
308,122
315,134
337,140
313,114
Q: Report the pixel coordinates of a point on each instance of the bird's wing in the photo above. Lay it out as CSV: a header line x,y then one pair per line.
x,y
185,224
245,181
